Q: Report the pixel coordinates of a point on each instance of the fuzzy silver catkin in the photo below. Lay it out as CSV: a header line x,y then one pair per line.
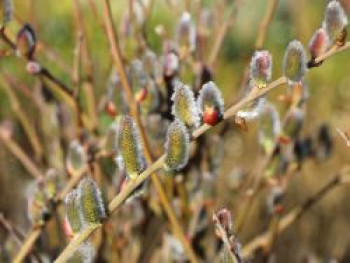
x,y
335,20
6,12
210,96
318,43
171,64
293,123
261,68
138,75
73,210
186,32
131,153
85,253
177,146
184,107
76,158
112,136
269,127
151,64
91,203
294,62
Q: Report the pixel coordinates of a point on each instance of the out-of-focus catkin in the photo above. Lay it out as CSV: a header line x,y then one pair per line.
x,y
294,62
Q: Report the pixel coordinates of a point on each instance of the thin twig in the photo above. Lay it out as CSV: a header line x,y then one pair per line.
x,y
10,229
264,24
76,241
225,239
262,239
51,54
23,119
219,39
21,156
344,136
57,87
83,51
28,244
36,230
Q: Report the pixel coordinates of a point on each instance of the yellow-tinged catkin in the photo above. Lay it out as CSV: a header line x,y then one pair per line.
x,y
177,146
131,154
91,203
184,106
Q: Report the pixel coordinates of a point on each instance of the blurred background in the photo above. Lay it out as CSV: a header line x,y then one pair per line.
x,y
322,234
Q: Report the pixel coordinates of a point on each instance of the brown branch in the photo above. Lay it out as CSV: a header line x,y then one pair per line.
x,y
344,136
20,155
219,39
265,23
295,214
23,119
132,184
84,54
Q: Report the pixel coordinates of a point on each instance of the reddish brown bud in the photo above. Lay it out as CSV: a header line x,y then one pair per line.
x,y
111,109
211,116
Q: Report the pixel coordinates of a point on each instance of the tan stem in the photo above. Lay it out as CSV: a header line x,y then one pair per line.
x,y
28,244
21,156
287,220
23,119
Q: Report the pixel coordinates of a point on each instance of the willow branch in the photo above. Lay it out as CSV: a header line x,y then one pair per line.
x,y
286,221
37,230
75,242
28,244
23,119
86,59
265,23
21,156
219,39
295,214
56,86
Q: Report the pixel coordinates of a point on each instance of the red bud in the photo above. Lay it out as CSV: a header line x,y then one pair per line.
x,y
211,116
110,109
